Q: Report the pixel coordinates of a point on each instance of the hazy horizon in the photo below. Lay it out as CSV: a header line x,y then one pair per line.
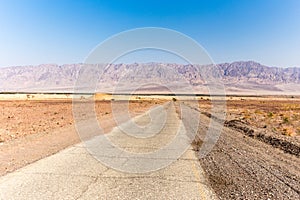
x,y
147,62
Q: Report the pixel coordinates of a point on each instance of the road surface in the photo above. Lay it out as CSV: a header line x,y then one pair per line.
x,y
76,174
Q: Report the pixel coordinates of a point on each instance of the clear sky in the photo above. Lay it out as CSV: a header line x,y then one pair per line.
x,y
65,31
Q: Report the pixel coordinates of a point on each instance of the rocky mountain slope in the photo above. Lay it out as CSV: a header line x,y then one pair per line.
x,y
237,77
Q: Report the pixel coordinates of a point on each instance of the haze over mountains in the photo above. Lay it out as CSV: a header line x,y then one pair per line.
x,y
238,77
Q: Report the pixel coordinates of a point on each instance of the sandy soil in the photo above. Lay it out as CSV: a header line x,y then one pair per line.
x,y
281,116
31,130
274,121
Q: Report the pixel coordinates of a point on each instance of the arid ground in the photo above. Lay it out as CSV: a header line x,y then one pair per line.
x,y
33,129
281,116
256,156
275,121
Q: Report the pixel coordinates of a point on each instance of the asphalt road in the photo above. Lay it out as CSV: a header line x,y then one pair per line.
x,y
142,165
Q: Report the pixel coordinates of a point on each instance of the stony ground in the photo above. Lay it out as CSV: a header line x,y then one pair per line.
x,y
281,116
242,165
274,121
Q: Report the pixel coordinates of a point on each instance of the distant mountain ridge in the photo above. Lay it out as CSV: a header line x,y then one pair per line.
x,y
256,71
238,77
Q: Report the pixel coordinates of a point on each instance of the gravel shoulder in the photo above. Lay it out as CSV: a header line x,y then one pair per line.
x,y
242,167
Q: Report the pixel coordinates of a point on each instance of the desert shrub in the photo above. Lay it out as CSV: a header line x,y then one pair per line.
x,y
285,120
270,114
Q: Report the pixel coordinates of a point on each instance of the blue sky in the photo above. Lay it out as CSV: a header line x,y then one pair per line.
x,y
65,31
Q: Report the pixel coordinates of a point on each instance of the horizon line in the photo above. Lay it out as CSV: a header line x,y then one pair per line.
x,y
150,62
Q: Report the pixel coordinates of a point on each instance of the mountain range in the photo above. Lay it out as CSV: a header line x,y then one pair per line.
x,y
244,77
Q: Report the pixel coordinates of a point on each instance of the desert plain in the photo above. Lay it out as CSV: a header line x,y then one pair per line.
x,y
35,126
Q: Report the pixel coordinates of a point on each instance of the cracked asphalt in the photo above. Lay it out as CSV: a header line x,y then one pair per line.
x,y
140,171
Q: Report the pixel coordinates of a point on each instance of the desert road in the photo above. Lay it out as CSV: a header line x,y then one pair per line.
x,y
136,173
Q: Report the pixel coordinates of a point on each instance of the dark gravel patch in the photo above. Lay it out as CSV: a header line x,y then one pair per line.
x,y
241,167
